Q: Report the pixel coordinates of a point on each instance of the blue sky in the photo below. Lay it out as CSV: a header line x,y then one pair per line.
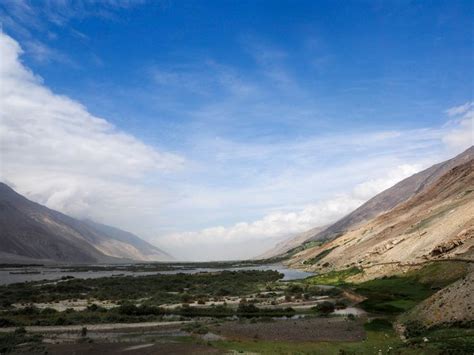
x,y
253,112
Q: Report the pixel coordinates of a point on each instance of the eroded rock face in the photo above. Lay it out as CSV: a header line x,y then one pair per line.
x,y
448,246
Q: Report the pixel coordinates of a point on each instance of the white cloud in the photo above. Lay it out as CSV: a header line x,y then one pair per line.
x,y
221,243
461,109
54,150
460,131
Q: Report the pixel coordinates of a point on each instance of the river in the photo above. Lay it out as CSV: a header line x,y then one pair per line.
x,y
39,273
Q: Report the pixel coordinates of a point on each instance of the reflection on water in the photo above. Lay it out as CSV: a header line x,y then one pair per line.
x,y
13,275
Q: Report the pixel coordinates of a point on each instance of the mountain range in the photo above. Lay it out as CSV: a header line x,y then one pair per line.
x,y
30,232
435,223
393,196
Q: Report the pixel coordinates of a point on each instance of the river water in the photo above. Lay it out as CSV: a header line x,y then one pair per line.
x,y
39,273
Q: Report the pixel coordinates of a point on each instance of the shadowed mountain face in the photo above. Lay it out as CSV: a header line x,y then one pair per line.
x,y
30,231
393,196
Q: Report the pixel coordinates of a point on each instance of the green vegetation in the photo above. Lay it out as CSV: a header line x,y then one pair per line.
x,y
156,289
20,340
451,340
324,308
378,324
386,341
319,257
392,295
130,313
397,294
142,299
334,278
304,246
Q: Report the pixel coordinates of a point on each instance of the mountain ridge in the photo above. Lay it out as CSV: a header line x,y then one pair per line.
x,y
31,230
437,223
392,196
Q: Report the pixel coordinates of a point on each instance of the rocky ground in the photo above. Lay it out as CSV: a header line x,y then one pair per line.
x,y
452,304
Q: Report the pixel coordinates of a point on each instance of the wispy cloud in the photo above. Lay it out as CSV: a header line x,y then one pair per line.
x,y
460,130
26,19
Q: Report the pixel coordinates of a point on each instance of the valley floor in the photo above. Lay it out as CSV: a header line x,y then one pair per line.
x,y
232,312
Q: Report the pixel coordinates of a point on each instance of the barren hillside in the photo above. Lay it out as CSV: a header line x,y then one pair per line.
x,y
393,196
437,223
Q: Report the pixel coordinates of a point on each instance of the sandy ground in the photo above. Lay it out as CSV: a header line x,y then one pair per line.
x,y
61,306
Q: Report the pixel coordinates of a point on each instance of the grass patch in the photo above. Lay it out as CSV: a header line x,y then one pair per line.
x,y
375,341
334,278
381,339
378,324
397,294
445,341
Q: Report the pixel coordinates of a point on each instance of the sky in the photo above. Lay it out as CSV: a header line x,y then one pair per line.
x,y
215,129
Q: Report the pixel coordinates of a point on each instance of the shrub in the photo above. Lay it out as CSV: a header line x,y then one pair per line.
x,y
4,322
49,311
95,308
414,328
246,308
324,308
378,324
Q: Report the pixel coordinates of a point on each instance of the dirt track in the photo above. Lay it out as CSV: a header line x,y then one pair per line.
x,y
94,327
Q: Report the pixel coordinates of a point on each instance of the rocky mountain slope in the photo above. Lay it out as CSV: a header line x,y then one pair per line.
x,y
393,196
435,223
289,244
30,231
451,304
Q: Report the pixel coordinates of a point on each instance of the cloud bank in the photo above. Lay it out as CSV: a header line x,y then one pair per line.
x,y
55,151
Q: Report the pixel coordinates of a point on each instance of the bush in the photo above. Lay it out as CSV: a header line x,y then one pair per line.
x,y
294,289
95,308
186,298
340,304
378,324
414,328
132,310
247,308
48,310
324,308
